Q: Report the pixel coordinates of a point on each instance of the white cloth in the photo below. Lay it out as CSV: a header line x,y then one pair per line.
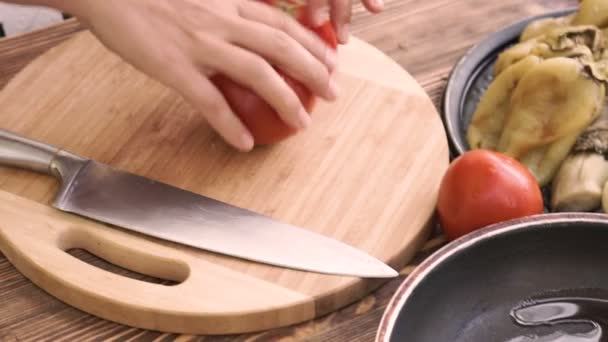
x,y
18,19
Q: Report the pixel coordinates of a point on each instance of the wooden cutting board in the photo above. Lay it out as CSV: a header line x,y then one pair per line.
x,y
367,173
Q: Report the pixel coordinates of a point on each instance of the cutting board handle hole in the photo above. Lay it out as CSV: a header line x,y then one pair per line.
x,y
92,259
122,260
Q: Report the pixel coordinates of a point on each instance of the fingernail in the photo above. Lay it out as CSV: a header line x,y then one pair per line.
x,y
332,60
304,118
246,141
333,89
344,33
319,18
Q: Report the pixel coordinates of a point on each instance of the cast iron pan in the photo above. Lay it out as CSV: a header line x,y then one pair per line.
x,y
467,289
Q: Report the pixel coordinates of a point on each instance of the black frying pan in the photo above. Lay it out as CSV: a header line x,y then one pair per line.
x,y
466,290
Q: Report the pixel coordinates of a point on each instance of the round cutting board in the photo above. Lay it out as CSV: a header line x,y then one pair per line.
x,y
366,172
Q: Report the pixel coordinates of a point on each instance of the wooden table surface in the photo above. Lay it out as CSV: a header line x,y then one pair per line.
x,y
425,36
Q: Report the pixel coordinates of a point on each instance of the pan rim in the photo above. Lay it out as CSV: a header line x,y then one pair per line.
x,y
467,66
423,270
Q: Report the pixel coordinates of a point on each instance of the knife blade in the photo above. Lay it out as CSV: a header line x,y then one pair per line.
x,y
103,193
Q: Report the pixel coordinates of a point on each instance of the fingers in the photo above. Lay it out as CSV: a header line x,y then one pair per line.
x,y
287,55
317,11
374,6
341,15
254,72
207,99
262,13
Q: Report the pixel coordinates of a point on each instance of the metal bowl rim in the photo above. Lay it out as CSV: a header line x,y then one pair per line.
x,y
405,290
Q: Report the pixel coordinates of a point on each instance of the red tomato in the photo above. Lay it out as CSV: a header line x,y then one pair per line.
x,y
327,33
483,187
259,117
299,10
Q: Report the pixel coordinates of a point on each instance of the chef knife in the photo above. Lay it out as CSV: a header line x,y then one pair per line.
x,y
106,194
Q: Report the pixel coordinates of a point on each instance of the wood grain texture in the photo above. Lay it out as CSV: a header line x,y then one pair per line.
x,y
366,173
425,37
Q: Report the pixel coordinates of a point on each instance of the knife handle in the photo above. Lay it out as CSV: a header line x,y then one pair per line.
x,y
20,152
17,151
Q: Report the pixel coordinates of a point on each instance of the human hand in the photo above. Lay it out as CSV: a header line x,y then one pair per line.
x,y
183,43
340,12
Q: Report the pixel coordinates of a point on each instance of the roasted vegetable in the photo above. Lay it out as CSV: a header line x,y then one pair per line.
x,y
535,110
487,123
579,183
592,12
513,55
543,107
543,26
584,42
605,198
551,106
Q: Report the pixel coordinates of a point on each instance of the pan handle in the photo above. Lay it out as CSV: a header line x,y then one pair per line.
x,y
24,153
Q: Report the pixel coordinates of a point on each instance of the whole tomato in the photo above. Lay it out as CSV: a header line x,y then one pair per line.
x,y
482,187
265,125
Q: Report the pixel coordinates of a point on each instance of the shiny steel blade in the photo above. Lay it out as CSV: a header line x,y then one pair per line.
x,y
156,209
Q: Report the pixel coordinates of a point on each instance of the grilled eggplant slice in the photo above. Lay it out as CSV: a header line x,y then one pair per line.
x,y
579,184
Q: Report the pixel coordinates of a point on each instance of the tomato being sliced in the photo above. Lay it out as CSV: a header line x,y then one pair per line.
x,y
259,117
327,33
298,9
482,187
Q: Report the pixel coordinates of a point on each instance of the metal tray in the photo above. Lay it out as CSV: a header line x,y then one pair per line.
x,y
471,77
